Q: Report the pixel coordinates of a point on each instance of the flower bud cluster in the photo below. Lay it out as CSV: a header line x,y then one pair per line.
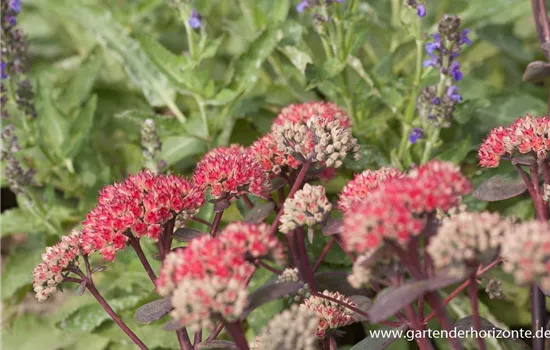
x,y
364,183
466,240
140,205
361,272
526,253
301,113
438,110
14,175
527,135
48,274
230,171
494,289
330,315
294,328
308,207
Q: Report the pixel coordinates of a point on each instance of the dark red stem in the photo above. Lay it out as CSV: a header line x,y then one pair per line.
x,y
259,262
167,237
324,253
247,201
304,260
332,343
422,342
197,338
216,223
434,299
236,332
134,243
201,221
472,292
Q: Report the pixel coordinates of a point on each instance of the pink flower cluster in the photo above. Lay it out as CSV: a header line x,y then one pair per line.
x,y
209,276
395,210
231,171
364,183
303,112
330,314
139,206
48,274
527,135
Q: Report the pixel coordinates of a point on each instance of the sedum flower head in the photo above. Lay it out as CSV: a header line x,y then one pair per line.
x,y
326,143
308,207
526,253
364,183
297,113
270,158
361,272
139,205
294,329
230,171
48,274
329,314
527,135
466,240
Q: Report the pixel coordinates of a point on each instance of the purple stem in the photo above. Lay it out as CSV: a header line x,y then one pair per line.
x,y
260,263
247,201
324,253
305,265
472,292
216,223
236,332
201,221
134,243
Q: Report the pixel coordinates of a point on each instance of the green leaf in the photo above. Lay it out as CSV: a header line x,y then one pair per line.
x,y
78,88
299,58
176,148
53,124
16,220
30,332
80,129
261,316
458,152
502,36
18,268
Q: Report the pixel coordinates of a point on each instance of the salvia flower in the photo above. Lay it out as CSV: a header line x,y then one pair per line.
x,y
330,315
466,240
325,143
194,19
14,175
526,253
303,112
228,172
527,135
15,5
140,206
415,135
420,7
438,110
294,328
48,274
308,207
364,183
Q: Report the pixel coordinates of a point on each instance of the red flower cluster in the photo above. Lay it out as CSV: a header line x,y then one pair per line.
x,y
395,209
47,275
230,170
527,135
139,205
330,314
364,183
303,112
209,275
271,159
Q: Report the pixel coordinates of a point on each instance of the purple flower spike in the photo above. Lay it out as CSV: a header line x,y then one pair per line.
x,y
415,134
455,71
302,6
432,62
436,101
453,94
464,37
15,5
12,20
3,70
421,10
194,19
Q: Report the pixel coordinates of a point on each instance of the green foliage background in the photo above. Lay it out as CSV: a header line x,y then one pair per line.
x,y
100,68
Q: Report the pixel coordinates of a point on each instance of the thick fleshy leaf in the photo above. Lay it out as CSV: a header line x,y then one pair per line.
x,y
332,227
269,292
277,183
100,268
81,288
153,311
172,325
363,303
467,324
536,72
259,212
186,234
337,281
217,345
380,343
500,187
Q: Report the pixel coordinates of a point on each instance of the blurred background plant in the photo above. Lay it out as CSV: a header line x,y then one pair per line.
x,y
100,89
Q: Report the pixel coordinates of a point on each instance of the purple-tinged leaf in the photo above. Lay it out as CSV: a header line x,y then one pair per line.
x,y
100,268
363,303
337,281
380,343
467,324
153,311
277,183
332,227
172,325
81,288
221,205
536,72
500,187
259,212
269,292
217,345
524,160
186,234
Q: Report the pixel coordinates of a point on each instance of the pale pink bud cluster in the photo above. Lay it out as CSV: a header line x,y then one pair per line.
x,y
466,240
209,276
526,253
361,272
140,205
527,135
396,209
289,275
48,274
303,112
293,328
330,315
364,183
308,207
324,142
229,171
